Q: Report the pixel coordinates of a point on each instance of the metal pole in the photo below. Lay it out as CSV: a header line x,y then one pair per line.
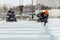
x,y
32,9
22,2
36,4
19,2
38,7
4,12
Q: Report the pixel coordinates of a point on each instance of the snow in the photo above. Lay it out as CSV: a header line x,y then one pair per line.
x,y
54,13
30,30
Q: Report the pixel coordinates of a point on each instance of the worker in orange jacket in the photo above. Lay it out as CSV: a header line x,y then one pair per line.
x,y
46,12
43,16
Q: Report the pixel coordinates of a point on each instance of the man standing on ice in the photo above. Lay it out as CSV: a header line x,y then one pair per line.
x,y
11,16
43,17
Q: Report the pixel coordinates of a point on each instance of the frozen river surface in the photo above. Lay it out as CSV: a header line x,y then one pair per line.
x,y
30,30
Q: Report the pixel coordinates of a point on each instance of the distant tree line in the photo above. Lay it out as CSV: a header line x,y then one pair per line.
x,y
27,8
45,7
58,7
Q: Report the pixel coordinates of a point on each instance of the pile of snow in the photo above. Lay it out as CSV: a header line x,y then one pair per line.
x,y
54,13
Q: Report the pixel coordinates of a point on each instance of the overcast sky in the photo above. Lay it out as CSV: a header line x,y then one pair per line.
x,y
16,2
52,3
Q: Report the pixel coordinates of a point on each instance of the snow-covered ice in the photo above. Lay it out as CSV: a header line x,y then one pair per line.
x,y
30,30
